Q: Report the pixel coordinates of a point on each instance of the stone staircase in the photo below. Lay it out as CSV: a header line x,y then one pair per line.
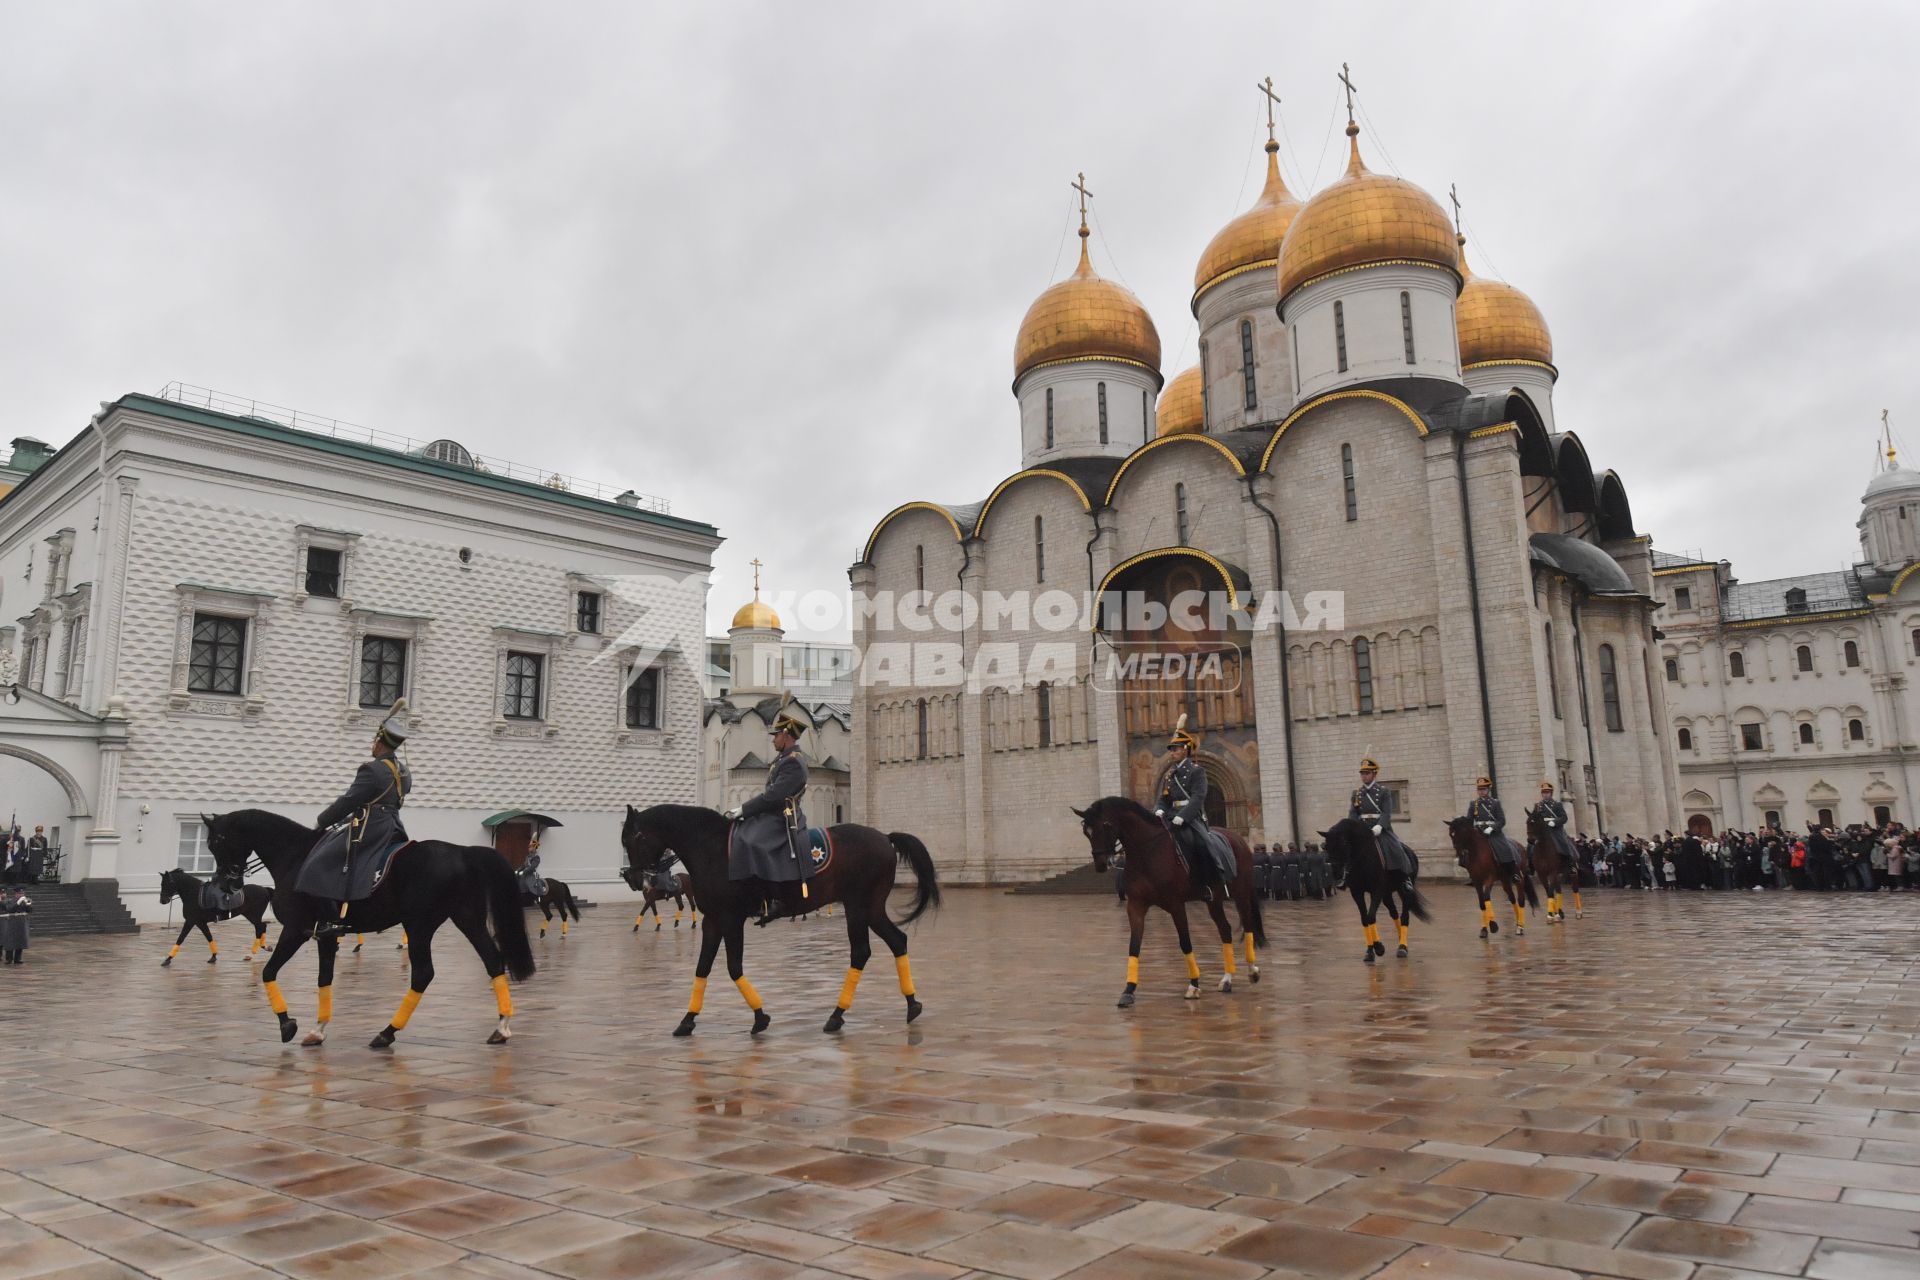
x,y
92,906
1080,880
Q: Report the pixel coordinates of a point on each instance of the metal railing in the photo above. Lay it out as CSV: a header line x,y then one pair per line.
x,y
313,424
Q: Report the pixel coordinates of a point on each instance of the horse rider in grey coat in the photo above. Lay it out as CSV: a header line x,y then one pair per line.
x,y
770,828
1183,806
1372,803
1490,817
379,788
1553,816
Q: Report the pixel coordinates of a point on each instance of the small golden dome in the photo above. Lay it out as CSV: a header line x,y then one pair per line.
x,y
1085,317
1363,219
756,613
1183,410
1252,239
1498,322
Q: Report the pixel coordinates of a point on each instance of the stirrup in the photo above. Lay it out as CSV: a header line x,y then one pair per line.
x,y
329,928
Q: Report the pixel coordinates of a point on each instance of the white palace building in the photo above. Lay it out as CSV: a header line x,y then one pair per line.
x,y
208,604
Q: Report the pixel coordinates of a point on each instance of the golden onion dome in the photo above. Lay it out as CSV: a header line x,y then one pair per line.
x,y
1364,219
1085,317
1497,322
1252,239
1183,410
756,613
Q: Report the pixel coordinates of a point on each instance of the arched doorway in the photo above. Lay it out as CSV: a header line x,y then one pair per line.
x,y
1700,825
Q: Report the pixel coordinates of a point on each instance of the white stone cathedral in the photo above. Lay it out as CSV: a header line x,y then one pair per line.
x,y
1368,419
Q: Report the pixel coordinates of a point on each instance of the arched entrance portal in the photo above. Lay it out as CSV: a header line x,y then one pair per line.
x,y
1700,825
1226,803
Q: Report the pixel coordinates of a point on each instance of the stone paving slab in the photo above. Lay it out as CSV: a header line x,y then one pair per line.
x,y
1677,1087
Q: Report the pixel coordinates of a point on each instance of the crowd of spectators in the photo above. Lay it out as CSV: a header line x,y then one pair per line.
x,y
1860,858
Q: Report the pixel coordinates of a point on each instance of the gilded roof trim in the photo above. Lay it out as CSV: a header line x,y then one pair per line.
x,y
1681,568
1191,437
1419,423
1219,566
1086,503
866,556
1193,304
1497,429
1798,619
1898,582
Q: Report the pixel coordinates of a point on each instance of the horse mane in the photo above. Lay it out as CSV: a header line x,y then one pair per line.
x,y
287,828
1106,805
681,815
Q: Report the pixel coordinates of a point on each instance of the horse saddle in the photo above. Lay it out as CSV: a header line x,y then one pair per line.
x,y
1222,856
534,886
765,848
816,851
351,859
215,897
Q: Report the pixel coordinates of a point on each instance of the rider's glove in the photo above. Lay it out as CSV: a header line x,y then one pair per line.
x,y
1179,821
733,814
1159,813
1376,829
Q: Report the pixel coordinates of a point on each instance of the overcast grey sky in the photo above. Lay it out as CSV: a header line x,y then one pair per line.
x,y
767,260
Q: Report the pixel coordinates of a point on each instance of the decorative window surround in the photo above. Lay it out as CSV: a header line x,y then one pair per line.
x,y
578,582
36,637
633,659
75,606
548,644
392,624
305,537
59,557
226,602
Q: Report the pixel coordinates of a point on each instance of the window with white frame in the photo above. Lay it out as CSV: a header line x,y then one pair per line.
x,y
383,670
586,612
526,678
217,648
192,854
524,661
321,560
217,663
642,709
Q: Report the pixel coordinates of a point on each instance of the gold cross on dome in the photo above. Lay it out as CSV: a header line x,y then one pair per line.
x,y
1347,80
1081,187
756,578
1453,194
1273,100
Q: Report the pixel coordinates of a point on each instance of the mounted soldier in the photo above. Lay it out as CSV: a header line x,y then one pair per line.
x,y
769,831
1183,805
1553,816
1490,817
1372,803
361,827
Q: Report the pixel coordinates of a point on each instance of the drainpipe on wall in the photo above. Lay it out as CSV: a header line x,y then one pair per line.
x,y
1586,720
1286,683
1473,596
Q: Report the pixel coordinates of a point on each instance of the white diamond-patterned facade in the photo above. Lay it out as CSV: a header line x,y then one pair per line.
x,y
210,611
1367,460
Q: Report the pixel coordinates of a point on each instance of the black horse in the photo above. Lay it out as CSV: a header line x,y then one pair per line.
x,y
428,883
1371,883
254,900
860,873
558,898
652,888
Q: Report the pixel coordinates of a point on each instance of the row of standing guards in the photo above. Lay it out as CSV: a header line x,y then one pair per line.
x,y
1292,876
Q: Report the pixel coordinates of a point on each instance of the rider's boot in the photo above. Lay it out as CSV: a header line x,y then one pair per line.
x,y
331,926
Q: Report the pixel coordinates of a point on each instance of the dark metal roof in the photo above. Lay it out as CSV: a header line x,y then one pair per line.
x,y
1825,592
1587,564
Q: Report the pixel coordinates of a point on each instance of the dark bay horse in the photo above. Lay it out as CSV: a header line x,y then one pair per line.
x,y
558,898
651,891
1371,883
1485,870
1155,875
254,899
428,883
1552,869
860,874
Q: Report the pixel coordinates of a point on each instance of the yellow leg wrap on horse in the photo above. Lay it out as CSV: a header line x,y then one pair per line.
x,y
1133,971
1367,933
1403,934
258,942
1226,952
846,989
637,919
699,999
1251,958
326,1004
1520,915
904,967
563,928
1576,901
501,996
174,951
747,992
1193,967
274,998
213,946
408,1003
676,915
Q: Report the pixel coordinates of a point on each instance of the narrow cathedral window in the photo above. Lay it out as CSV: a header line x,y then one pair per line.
x,y
1856,731
1406,322
1553,675
1737,664
1916,642
1180,514
1346,472
1340,334
1043,702
1039,550
921,752
1803,656
1049,417
1673,670
1296,362
1852,653
1363,675
1686,739
1610,690
1806,734
1146,415
1103,412
1246,362
919,568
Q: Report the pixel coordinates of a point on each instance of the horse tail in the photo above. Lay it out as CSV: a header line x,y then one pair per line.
x,y
570,903
1526,886
1253,925
509,918
916,856
1416,904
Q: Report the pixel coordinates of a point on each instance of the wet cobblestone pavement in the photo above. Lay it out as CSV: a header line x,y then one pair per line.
x,y
1707,1085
